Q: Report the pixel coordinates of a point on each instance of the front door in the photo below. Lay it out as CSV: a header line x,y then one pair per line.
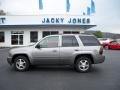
x,y
48,53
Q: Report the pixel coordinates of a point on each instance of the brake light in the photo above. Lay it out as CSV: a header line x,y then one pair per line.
x,y
101,51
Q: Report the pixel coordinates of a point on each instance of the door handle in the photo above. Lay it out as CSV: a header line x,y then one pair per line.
x,y
54,50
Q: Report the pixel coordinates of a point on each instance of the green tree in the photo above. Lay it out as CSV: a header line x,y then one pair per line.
x,y
98,34
2,12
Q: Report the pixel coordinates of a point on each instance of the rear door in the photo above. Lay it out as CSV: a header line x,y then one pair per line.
x,y
69,45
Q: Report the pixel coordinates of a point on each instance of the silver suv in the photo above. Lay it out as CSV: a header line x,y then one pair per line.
x,y
79,50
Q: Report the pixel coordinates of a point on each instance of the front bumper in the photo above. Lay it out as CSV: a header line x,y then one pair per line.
x,y
9,60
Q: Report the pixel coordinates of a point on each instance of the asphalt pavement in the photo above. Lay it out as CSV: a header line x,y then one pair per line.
x,y
104,76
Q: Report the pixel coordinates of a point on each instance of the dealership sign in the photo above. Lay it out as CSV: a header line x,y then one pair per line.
x,y
2,20
69,21
46,20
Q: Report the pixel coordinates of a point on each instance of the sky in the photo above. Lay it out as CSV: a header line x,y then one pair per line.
x,y
107,16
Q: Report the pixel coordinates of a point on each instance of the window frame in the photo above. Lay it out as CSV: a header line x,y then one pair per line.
x,y
48,38
72,42
88,44
18,34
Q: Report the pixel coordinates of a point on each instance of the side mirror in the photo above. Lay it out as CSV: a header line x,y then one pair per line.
x,y
37,46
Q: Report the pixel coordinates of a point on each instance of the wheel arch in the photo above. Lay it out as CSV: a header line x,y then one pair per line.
x,y
88,55
16,55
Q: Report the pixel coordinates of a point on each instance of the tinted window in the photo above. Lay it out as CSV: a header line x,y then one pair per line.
x,y
50,42
114,42
33,36
89,41
69,41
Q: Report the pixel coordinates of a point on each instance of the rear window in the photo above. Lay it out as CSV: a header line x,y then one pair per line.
x,y
89,41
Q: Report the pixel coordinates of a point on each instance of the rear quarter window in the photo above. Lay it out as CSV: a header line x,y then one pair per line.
x,y
89,41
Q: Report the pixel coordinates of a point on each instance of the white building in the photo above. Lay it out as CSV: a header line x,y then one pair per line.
x,y
25,30
22,30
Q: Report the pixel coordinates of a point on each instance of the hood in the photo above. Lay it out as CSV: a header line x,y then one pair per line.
x,y
20,49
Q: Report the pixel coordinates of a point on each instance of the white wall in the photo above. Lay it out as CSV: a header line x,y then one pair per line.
x,y
26,41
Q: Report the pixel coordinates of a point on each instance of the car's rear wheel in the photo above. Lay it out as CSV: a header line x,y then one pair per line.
x,y
21,63
83,64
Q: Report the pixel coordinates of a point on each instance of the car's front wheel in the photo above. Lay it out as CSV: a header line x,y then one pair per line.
x,y
21,63
83,64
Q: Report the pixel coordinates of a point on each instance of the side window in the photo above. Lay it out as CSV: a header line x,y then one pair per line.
x,y
114,42
50,42
69,41
89,41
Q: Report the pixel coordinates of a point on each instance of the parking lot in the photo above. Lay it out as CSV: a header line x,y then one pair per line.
x,y
104,76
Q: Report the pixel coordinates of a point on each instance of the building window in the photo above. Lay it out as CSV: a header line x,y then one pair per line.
x,y
2,37
17,37
69,41
71,32
17,32
46,33
33,36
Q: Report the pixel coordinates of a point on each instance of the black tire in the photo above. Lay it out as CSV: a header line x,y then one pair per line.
x,y
24,63
79,66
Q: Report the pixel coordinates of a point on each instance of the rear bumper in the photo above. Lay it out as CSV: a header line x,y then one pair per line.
x,y
9,60
99,59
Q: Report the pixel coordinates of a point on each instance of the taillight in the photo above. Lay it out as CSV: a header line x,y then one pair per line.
x,y
101,51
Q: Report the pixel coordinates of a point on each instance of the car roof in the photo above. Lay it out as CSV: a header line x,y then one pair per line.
x,y
71,34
